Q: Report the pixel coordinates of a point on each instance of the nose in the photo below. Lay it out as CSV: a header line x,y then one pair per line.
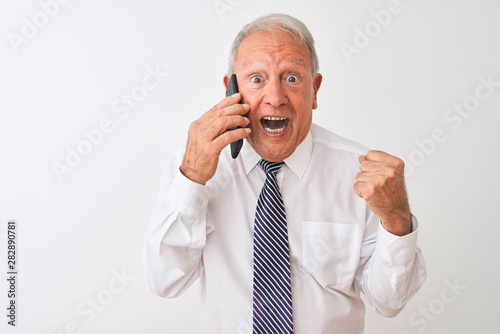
x,y
275,94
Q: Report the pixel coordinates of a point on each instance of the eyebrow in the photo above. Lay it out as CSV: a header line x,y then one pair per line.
x,y
297,61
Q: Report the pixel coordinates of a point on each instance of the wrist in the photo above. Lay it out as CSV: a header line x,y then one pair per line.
x,y
399,226
191,175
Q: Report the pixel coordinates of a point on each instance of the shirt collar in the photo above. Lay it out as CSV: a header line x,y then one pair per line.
x,y
297,162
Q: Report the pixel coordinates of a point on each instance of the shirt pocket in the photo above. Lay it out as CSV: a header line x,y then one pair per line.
x,y
330,252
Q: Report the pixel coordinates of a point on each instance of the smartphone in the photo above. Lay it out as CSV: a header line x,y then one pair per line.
x,y
232,88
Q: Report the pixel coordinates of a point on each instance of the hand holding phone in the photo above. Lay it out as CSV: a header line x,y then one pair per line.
x,y
232,88
209,135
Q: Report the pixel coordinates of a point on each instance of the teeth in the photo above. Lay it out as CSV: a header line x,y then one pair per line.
x,y
273,130
275,118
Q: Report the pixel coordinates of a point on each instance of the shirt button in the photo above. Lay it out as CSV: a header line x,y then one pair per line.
x,y
395,251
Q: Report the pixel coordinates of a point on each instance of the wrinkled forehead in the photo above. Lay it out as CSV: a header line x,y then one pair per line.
x,y
272,47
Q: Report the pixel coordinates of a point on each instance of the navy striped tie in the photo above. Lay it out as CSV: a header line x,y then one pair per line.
x,y
272,296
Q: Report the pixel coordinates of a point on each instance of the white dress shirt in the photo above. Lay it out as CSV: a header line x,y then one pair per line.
x,y
338,247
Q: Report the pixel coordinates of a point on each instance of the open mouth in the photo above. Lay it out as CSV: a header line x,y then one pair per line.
x,y
274,125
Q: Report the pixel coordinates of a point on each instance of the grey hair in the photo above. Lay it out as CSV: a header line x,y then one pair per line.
x,y
275,22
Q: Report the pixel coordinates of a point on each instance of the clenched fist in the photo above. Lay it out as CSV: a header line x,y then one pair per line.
x,y
381,184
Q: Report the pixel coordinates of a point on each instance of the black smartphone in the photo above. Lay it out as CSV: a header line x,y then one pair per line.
x,y
232,88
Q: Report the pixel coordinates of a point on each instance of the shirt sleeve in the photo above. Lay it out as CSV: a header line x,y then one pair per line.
x,y
177,233
394,271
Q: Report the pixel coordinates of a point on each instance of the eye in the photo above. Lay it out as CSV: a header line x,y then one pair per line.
x,y
256,79
292,78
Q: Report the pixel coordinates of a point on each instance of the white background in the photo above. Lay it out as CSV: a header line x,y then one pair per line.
x,y
75,232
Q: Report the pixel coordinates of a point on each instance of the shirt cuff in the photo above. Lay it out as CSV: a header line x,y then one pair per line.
x,y
394,249
190,197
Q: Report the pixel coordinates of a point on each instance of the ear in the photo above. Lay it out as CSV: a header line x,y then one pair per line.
x,y
316,84
226,80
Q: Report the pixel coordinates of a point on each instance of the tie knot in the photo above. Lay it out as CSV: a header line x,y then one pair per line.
x,y
270,167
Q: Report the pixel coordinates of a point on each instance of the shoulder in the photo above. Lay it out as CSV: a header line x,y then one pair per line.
x,y
323,138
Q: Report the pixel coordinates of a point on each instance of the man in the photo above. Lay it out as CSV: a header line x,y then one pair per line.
x,y
338,239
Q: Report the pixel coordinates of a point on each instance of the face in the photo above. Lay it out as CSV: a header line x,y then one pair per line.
x,y
274,74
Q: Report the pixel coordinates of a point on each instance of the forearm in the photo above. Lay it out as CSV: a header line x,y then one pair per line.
x,y
172,266
176,235
394,272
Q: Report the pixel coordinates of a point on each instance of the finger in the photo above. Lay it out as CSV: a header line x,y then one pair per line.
x,y
228,101
213,114
361,177
375,179
230,136
362,158
229,117
365,190
364,177
211,119
223,124
235,109
375,155
357,189
389,160
372,166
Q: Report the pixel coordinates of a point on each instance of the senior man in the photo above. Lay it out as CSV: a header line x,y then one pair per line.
x,y
286,236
